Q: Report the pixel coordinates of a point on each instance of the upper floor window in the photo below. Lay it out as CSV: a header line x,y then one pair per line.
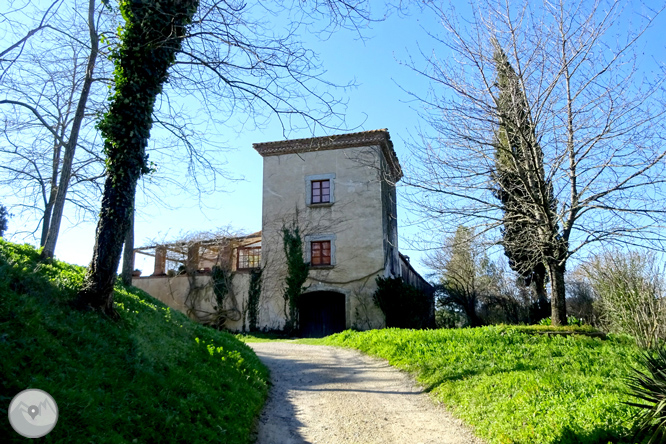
x,y
248,257
321,191
320,253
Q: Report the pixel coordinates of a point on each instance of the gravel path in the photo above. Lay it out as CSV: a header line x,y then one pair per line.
x,y
327,395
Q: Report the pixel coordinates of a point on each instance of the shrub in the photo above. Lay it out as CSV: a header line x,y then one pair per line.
x,y
254,293
403,305
649,387
630,292
4,217
297,274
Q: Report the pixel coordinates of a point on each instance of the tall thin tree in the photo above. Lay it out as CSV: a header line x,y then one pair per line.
x,y
519,176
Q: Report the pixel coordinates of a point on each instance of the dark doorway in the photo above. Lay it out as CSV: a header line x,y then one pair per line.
x,y
322,313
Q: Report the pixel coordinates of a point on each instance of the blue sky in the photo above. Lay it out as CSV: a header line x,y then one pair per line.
x,y
378,101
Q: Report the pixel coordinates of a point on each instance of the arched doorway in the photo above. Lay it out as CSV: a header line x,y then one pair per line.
x,y
322,313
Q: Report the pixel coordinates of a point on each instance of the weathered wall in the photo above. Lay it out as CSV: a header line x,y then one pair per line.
x,y
179,293
355,222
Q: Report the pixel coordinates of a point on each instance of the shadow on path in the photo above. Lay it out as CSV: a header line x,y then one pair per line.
x,y
325,394
295,374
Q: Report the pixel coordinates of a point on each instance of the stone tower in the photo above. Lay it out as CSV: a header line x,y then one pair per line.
x,y
340,192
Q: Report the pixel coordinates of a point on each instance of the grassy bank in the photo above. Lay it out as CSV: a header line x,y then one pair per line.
x,y
153,376
514,387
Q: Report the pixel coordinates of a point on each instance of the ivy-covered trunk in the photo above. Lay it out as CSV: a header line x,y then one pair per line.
x,y
150,40
113,223
539,280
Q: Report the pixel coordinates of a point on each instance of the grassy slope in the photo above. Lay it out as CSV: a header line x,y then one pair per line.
x,y
513,387
154,376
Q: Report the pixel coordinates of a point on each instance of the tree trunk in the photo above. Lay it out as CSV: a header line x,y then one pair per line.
x,y
558,301
97,292
470,311
149,44
47,216
70,147
48,204
128,252
539,280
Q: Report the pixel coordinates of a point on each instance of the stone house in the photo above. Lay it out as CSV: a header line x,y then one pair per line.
x,y
339,191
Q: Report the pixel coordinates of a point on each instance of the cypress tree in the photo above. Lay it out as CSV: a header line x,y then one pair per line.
x,y
520,183
4,217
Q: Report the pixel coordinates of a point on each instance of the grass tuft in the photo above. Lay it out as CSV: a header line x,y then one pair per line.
x,y
152,376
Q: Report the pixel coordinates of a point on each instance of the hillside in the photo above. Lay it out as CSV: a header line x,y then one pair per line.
x,y
152,376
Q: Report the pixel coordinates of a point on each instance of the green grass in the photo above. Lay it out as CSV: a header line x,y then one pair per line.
x,y
514,387
152,376
265,337
576,329
276,337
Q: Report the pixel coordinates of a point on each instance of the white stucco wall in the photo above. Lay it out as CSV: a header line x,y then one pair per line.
x,y
355,221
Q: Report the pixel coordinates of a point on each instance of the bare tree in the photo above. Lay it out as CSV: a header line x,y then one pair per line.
x,y
10,54
55,78
464,283
598,119
50,98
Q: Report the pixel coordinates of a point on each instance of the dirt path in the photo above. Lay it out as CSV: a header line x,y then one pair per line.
x,y
327,395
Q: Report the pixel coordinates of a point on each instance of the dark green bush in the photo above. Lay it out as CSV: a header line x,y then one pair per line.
x,y
403,305
4,217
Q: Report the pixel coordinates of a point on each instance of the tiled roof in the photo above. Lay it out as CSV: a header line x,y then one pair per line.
x,y
379,137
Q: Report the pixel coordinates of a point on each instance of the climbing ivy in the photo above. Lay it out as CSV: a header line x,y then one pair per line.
x,y
297,273
221,278
149,42
254,293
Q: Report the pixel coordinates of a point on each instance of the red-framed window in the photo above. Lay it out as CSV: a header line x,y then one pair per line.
x,y
321,191
248,257
320,253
